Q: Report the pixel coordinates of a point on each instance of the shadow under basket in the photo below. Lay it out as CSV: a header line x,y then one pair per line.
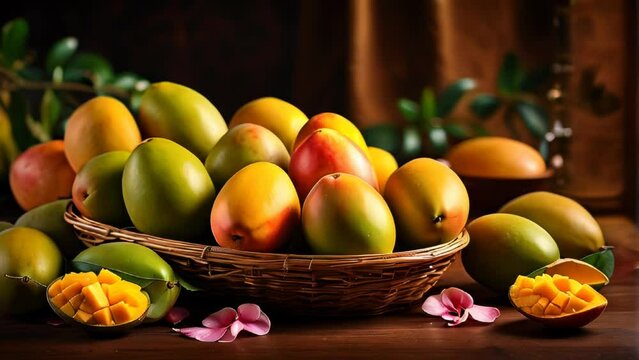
x,y
326,285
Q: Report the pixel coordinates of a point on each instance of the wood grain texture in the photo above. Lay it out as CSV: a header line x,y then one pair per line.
x,y
397,336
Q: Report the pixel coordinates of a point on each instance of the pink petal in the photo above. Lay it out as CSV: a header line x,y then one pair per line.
x,y
221,319
176,315
434,306
230,335
459,320
485,314
451,317
261,326
248,312
202,333
456,299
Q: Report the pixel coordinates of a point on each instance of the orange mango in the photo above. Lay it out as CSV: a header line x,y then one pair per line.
x,y
333,121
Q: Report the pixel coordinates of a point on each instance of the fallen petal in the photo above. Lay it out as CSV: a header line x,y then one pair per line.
x,y
485,314
248,312
230,335
261,326
202,333
434,306
456,298
176,315
221,319
459,320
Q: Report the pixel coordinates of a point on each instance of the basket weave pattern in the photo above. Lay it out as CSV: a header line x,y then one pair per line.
x,y
306,284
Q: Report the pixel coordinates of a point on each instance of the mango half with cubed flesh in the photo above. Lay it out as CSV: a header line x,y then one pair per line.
x,y
97,300
557,300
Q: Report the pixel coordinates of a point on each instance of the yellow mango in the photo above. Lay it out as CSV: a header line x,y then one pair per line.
x,y
103,316
94,296
76,301
121,291
514,292
107,277
526,292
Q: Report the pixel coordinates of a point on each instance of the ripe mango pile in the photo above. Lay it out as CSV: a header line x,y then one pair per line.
x,y
104,300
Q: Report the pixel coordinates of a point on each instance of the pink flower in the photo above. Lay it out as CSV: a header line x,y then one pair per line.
x,y
454,305
224,325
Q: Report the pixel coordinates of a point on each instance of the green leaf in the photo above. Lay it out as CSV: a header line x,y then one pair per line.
x,y
18,114
384,136
89,66
126,81
409,109
58,75
14,40
449,98
603,260
49,111
484,105
429,108
437,142
458,131
60,53
538,272
534,118
411,143
510,75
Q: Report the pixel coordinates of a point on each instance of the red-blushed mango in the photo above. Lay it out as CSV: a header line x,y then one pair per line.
x,y
282,118
99,125
256,210
40,175
496,157
183,115
428,201
384,164
331,121
325,152
344,215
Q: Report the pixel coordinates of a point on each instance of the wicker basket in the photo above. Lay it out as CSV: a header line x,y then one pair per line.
x,y
306,284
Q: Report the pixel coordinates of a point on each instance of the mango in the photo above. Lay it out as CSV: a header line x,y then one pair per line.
x,y
282,118
40,175
344,215
552,306
136,264
242,145
576,232
4,225
100,125
566,272
325,152
31,258
91,305
384,164
496,157
181,114
504,246
97,189
333,121
167,191
428,201
49,218
255,215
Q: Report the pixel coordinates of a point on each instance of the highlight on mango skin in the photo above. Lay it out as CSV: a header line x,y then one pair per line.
x,y
98,300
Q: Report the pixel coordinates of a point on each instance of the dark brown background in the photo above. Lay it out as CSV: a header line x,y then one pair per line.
x,y
357,57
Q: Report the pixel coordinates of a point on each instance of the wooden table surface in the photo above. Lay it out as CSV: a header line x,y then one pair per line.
x,y
411,334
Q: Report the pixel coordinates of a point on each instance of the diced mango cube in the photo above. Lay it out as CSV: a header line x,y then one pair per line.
x,y
513,291
529,300
59,300
105,288
72,290
526,292
137,299
69,279
76,301
84,317
575,304
120,291
123,313
574,286
55,288
540,306
103,316
561,282
586,293
95,297
545,288
67,309
561,300
87,307
107,277
524,282
552,309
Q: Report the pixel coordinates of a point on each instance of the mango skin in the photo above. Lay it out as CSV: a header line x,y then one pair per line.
x,y
428,201
97,189
384,164
137,264
181,114
344,215
4,225
242,145
49,218
167,191
256,210
99,125
574,229
281,117
503,246
325,152
331,121
26,252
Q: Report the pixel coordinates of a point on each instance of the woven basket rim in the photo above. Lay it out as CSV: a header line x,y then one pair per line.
x,y
189,249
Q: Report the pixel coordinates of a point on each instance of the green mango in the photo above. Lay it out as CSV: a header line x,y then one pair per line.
x,y
138,264
49,218
167,191
181,114
4,225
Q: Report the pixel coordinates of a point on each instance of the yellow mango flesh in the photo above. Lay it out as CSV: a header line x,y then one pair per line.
x,y
556,296
102,300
